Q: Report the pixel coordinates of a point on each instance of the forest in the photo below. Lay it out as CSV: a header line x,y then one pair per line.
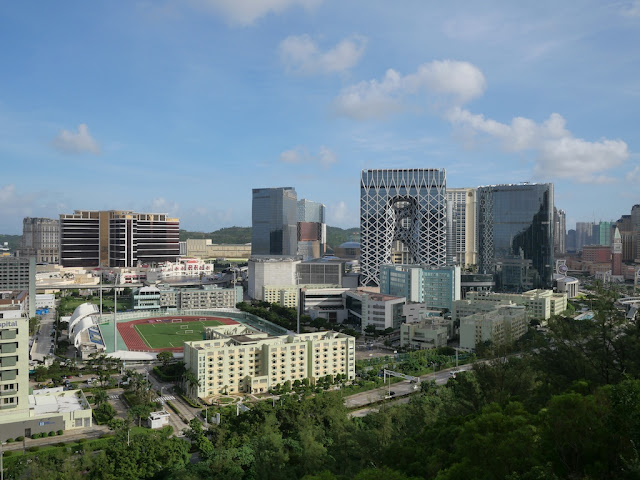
x,y
568,406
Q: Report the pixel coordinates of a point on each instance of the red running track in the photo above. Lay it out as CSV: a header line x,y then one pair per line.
x,y
134,341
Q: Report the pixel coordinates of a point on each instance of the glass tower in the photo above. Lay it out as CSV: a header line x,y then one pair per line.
x,y
407,205
274,221
515,235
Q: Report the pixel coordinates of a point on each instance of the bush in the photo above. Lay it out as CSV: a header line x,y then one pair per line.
x,y
35,435
9,440
52,433
81,440
60,432
8,453
61,444
34,449
20,438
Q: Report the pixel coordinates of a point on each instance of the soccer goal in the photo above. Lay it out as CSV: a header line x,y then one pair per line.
x,y
186,332
184,327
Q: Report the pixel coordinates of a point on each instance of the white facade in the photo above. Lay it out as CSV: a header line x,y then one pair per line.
x,y
462,246
265,270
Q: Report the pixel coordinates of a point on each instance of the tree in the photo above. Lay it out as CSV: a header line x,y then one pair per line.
x,y
165,358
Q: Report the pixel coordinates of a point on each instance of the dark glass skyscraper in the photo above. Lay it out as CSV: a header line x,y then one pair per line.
x,y
515,235
274,216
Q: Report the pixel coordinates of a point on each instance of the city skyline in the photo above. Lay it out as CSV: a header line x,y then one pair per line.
x,y
185,107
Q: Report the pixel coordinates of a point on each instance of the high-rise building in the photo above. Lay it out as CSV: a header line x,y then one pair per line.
x,y
604,233
571,240
312,229
40,239
515,235
635,225
584,235
116,238
436,287
19,273
625,228
406,205
274,216
462,246
559,231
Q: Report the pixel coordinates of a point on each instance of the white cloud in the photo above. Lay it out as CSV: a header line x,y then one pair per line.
x,y
557,153
632,9
76,142
633,175
246,12
301,55
300,155
161,205
458,82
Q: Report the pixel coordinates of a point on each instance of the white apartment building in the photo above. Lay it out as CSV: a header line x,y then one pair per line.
x,y
502,326
423,335
540,304
238,359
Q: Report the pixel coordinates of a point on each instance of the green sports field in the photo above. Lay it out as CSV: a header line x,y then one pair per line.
x,y
172,335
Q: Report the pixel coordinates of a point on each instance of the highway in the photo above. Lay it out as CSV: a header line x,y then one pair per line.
x,y
402,390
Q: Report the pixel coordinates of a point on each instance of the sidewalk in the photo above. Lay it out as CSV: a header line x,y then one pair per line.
x,y
69,436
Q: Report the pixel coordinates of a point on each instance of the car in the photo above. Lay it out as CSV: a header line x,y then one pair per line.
x,y
392,393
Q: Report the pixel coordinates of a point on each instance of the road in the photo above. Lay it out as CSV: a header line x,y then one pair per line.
x,y
42,346
401,390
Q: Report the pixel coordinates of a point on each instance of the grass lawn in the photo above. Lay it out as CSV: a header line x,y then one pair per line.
x,y
166,335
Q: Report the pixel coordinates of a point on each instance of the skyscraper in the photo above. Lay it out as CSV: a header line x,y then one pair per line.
x,y
312,229
462,246
408,205
117,238
274,216
515,235
584,235
559,231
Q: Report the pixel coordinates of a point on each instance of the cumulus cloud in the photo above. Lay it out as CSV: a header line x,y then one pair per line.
x,y
300,155
451,84
457,82
301,55
76,142
556,151
246,12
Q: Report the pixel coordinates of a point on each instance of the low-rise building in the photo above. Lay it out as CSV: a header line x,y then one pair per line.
x,y
381,311
159,297
423,335
540,304
501,326
238,359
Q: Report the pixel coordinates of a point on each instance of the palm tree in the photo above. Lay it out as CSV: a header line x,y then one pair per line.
x,y
100,397
192,382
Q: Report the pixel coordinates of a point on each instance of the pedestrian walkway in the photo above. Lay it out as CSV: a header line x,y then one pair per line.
x,y
164,398
114,397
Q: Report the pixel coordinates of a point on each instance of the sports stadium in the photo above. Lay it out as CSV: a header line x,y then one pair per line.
x,y
151,331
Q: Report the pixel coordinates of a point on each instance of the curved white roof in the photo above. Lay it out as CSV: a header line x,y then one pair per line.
x,y
80,312
81,326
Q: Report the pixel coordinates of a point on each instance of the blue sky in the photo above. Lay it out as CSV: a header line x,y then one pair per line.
x,y
184,106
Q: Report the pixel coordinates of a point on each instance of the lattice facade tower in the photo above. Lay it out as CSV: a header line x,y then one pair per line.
x,y
408,205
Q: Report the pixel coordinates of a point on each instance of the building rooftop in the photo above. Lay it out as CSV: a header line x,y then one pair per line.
x,y
56,400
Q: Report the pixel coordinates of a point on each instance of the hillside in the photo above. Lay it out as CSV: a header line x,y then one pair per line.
x,y
235,235
13,240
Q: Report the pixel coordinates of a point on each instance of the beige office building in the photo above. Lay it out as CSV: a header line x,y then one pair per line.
x,y
540,304
238,359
